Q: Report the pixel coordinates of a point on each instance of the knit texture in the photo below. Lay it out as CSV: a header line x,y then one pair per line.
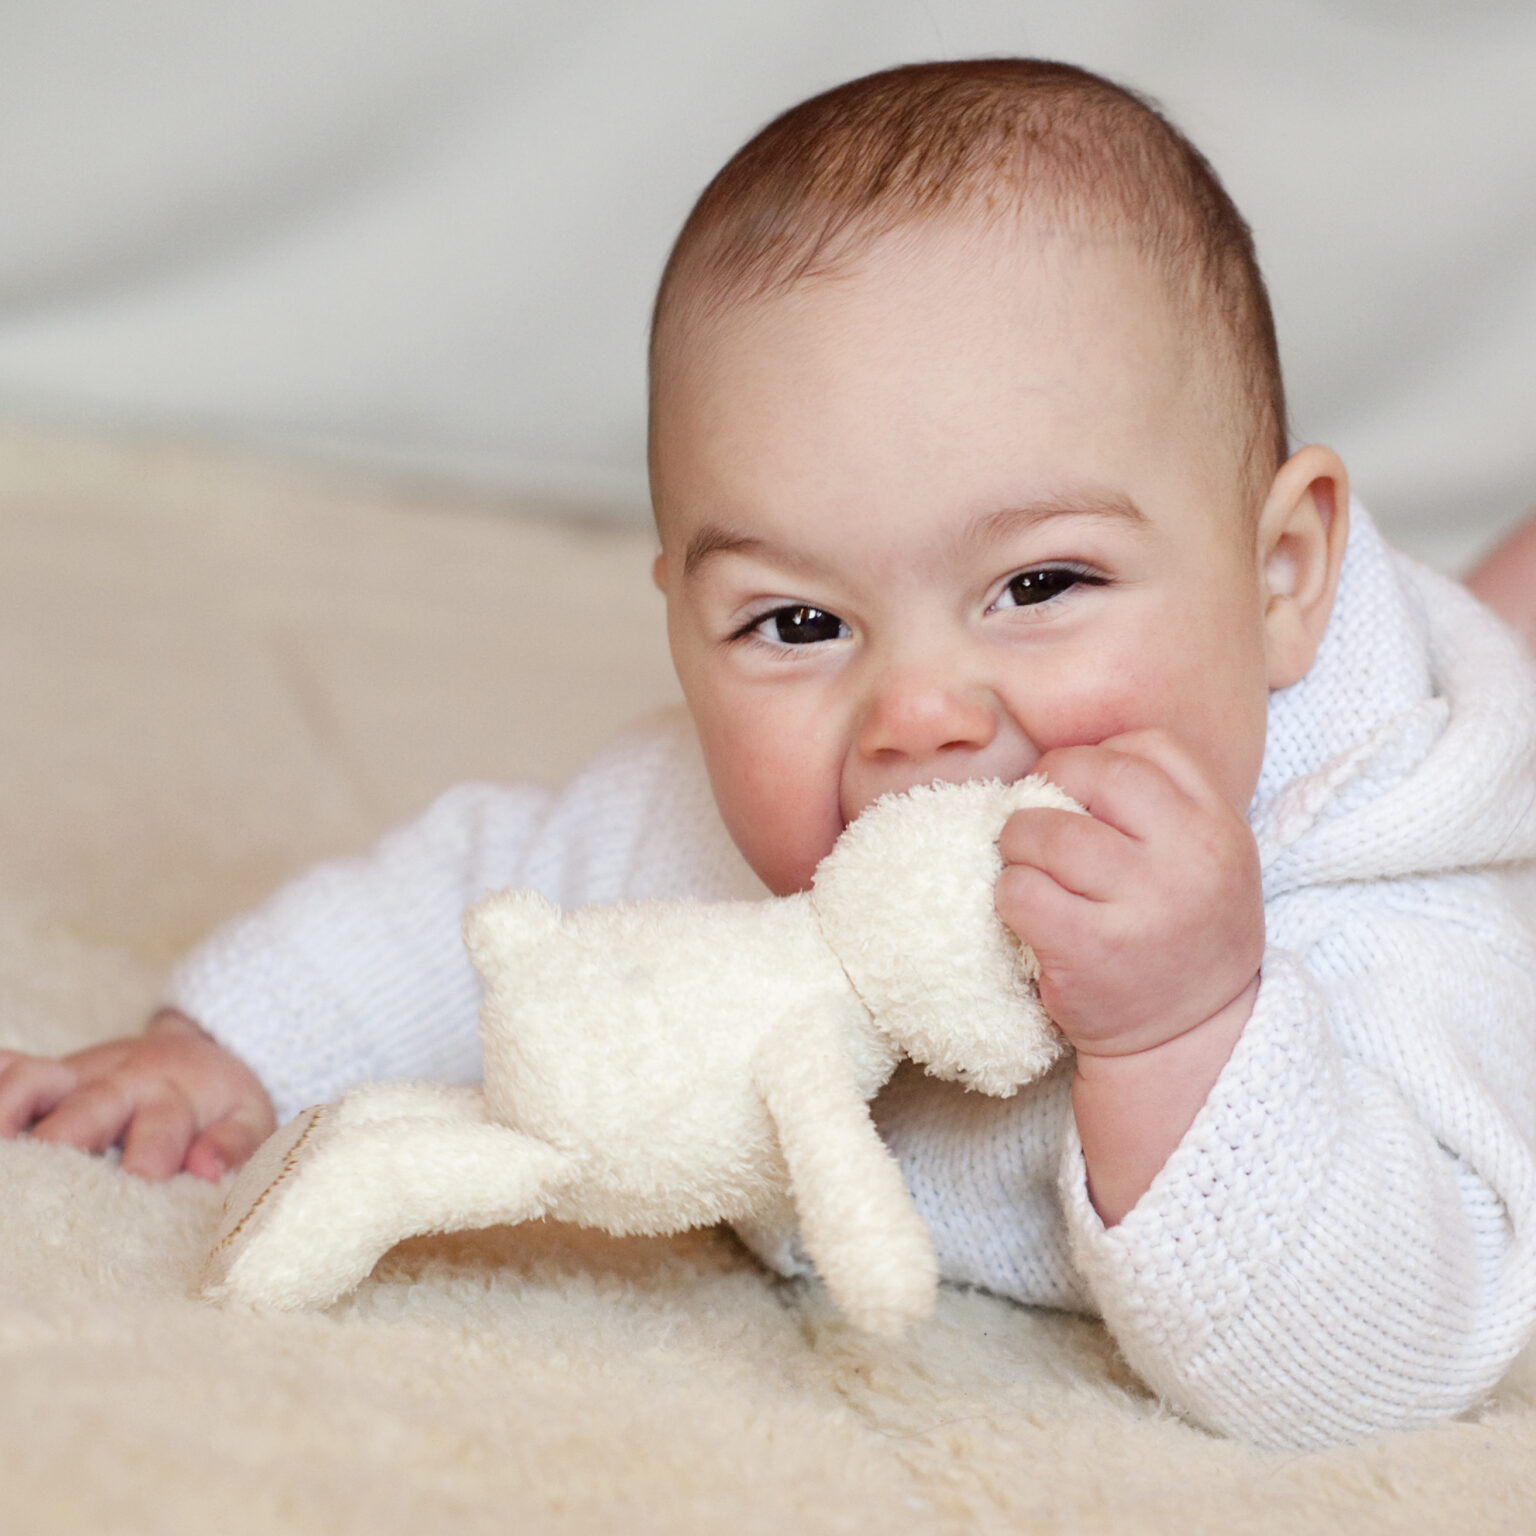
x,y
1342,1242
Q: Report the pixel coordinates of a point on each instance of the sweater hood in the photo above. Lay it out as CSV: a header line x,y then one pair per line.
x,y
1409,748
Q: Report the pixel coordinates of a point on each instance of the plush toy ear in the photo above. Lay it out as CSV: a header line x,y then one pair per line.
x,y
905,900
502,927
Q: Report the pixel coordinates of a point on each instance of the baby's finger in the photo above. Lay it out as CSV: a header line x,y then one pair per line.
x,y
1078,852
1169,754
1126,790
30,1087
1044,914
224,1145
92,1117
157,1137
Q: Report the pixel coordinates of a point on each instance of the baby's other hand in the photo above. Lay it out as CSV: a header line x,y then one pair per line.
x,y
1146,915
173,1098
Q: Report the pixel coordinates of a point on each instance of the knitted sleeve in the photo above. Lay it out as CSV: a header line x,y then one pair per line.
x,y
356,970
1345,1240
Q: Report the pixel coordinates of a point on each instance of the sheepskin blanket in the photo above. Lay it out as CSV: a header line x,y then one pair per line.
x,y
214,671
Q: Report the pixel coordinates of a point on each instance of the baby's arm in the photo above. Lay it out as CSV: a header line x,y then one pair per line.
x,y
1317,1225
1147,918
356,971
1343,1242
173,1098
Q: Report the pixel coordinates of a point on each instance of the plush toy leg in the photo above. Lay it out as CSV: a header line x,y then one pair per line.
x,y
337,1187
857,1221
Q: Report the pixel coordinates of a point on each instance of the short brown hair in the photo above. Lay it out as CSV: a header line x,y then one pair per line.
x,y
994,137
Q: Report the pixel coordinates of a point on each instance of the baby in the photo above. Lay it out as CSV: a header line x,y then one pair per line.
x,y
969,459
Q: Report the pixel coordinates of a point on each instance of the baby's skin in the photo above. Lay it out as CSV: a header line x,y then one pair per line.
x,y
172,1098
1505,579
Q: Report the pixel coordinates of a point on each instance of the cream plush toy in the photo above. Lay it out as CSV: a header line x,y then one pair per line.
x,y
657,1065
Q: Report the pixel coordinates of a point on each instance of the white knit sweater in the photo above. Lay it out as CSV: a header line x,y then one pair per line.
x,y
1344,1241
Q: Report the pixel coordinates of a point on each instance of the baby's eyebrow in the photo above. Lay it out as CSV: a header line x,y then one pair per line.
x,y
993,527
716,539
1111,505
712,539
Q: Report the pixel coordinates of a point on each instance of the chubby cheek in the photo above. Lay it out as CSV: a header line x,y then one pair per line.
x,y
1084,707
777,791
1206,698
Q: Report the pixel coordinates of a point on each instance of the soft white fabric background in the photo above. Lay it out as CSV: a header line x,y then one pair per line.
x,y
425,235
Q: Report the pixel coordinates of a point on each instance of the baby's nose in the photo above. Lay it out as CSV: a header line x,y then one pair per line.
x,y
923,715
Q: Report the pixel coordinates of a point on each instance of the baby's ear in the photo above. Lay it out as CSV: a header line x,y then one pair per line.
x,y
1301,536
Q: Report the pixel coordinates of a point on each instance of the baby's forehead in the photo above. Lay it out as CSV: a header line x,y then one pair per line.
x,y
945,322
961,292
1014,365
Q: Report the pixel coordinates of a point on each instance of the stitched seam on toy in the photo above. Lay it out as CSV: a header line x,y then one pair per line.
x,y
290,1157
853,986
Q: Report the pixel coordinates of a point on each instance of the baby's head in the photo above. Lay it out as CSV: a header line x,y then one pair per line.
x,y
968,441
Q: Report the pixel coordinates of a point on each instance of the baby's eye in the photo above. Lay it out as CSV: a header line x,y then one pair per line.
x,y
799,624
1030,588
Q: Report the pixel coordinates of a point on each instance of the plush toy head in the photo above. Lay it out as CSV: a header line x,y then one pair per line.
x,y
905,901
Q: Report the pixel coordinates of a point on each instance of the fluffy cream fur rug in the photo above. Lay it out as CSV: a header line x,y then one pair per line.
x,y
213,672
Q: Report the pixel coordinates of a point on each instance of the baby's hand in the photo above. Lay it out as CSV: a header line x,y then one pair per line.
x,y
1146,915
172,1097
